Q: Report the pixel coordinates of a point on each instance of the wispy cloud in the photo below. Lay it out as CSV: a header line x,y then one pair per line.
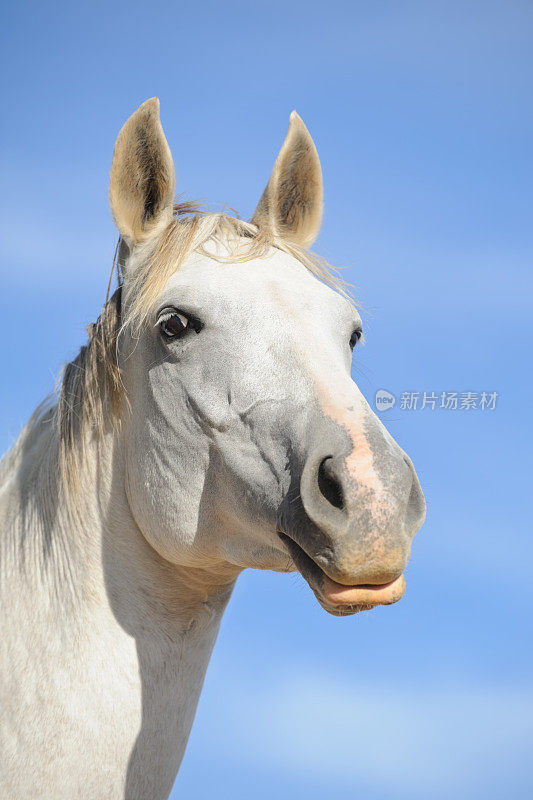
x,y
439,740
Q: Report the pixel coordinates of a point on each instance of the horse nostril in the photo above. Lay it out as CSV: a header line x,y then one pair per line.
x,y
329,485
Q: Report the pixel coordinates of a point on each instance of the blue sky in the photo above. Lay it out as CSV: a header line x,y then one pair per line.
x,y
422,115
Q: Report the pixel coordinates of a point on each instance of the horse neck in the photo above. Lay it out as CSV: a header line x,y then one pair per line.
x,y
128,634
88,552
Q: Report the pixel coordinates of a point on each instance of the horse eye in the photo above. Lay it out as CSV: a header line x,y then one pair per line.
x,y
354,338
175,325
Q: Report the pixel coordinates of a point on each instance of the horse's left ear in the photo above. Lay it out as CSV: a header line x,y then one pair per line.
x,y
142,178
291,205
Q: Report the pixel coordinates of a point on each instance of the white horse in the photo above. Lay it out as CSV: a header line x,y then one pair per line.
x,y
209,424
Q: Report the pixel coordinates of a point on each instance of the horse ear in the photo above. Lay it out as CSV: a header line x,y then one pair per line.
x,y
142,179
291,205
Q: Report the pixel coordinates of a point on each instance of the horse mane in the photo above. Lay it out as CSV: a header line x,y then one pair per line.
x,y
91,391
91,394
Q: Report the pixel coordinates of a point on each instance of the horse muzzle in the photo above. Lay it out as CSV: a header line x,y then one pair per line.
x,y
349,529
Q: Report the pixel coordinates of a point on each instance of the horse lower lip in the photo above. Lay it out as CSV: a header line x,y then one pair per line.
x,y
337,594
338,597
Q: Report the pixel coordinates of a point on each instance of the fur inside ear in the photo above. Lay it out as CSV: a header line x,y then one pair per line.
x,y
142,178
291,205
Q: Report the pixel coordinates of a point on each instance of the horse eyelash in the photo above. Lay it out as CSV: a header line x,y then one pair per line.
x,y
195,323
167,314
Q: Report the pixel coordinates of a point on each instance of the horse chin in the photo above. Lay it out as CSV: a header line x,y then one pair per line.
x,y
343,611
339,599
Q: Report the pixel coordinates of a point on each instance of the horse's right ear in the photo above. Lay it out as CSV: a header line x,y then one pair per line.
x,y
142,178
